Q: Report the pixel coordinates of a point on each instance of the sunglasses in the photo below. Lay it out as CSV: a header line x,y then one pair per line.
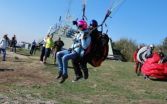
x,y
80,26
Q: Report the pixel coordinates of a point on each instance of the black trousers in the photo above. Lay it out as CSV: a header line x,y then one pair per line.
x,y
32,50
42,53
78,64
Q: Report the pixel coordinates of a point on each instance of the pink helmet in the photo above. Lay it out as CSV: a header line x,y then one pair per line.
x,y
82,24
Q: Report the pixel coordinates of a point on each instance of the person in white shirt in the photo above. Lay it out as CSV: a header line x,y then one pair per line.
x,y
4,42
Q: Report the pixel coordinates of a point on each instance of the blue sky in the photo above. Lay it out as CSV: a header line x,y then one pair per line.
x,y
144,21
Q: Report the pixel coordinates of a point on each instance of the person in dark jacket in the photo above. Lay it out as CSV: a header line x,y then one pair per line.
x,y
33,46
162,56
13,44
58,45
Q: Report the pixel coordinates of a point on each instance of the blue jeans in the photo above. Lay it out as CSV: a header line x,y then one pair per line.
x,y
4,54
62,59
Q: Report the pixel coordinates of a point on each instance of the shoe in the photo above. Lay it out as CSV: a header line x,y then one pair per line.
x,y
64,77
138,73
146,77
59,76
77,78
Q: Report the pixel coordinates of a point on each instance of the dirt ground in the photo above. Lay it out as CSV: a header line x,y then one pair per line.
x,y
23,69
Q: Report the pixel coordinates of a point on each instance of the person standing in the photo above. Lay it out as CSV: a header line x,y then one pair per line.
x,y
58,45
43,42
33,46
48,47
13,44
4,42
138,64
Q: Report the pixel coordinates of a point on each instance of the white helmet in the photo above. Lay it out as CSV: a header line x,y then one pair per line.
x,y
151,46
139,46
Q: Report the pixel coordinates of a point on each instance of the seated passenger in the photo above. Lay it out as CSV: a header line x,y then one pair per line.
x,y
81,41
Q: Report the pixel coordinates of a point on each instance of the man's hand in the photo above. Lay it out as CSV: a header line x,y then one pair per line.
x,y
70,49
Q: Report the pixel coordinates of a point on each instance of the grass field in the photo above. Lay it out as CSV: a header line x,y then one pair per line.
x,y
112,83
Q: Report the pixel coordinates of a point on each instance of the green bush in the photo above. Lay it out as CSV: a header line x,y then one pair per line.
x,y
126,47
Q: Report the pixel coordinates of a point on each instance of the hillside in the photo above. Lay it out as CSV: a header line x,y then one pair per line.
x,y
23,79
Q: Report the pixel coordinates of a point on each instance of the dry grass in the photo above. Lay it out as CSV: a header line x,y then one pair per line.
x,y
23,70
112,83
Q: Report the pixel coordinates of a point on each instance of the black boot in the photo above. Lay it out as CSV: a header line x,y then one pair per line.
x,y
64,77
86,74
77,78
84,69
59,76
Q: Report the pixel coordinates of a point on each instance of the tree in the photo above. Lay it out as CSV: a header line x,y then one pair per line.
x,y
164,45
126,47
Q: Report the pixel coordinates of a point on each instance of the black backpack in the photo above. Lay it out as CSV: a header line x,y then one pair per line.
x,y
97,52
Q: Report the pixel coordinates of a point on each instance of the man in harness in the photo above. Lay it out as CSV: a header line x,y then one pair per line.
x,y
81,63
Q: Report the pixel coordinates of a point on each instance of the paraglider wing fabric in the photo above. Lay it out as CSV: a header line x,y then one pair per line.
x,y
153,69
